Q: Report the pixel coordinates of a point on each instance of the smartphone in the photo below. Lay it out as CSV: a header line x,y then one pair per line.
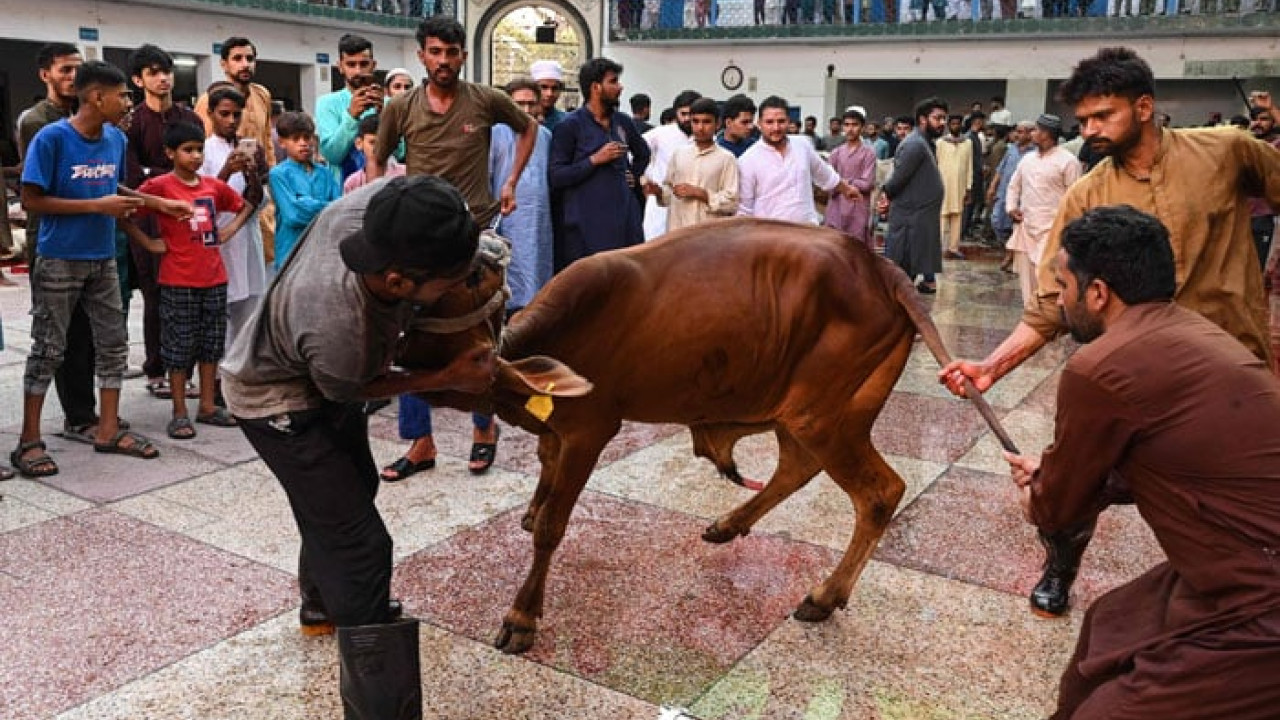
x,y
248,146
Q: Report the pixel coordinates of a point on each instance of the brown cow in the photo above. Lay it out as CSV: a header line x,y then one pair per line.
x,y
732,328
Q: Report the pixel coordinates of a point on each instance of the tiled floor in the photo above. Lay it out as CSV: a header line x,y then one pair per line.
x,y
164,589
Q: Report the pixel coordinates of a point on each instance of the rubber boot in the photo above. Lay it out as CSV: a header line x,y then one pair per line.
x,y
1063,550
380,676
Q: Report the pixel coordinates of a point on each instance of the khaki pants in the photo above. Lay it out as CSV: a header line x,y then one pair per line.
x,y
951,226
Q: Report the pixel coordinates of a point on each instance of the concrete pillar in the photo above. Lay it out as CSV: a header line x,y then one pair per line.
x,y
314,82
208,69
1025,97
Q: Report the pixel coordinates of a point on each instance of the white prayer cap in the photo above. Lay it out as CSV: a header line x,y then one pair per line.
x,y
858,109
395,72
547,70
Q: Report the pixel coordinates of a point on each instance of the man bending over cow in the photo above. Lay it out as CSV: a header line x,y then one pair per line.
x,y
296,379
1164,409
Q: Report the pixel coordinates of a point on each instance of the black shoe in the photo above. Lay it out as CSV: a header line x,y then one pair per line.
x,y
314,620
927,289
1051,597
373,406
380,675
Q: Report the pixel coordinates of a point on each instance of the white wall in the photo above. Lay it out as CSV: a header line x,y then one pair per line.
x,y
192,28
797,70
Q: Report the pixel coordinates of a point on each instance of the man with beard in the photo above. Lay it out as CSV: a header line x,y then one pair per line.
x,y
338,113
663,141
912,196
446,126
1262,215
778,176
596,152
1194,181
239,64
1163,409
1032,199
955,163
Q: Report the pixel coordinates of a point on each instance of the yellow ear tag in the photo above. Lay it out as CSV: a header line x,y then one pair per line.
x,y
540,406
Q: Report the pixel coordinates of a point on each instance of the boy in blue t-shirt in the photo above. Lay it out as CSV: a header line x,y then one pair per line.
x,y
299,187
71,178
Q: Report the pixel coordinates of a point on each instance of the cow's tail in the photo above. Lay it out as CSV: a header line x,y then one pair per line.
x,y
907,296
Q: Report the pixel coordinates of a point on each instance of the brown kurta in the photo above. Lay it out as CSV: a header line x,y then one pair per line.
x,y
1166,409
1198,189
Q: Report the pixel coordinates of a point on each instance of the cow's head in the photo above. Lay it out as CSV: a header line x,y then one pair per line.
x,y
471,315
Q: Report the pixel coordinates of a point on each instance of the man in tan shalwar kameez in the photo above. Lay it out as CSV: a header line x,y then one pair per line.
x,y
1196,183
1163,409
955,163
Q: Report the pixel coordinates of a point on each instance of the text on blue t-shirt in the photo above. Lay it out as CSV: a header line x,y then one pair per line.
x,y
65,164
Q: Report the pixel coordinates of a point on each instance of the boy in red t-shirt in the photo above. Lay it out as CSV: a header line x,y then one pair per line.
x,y
193,280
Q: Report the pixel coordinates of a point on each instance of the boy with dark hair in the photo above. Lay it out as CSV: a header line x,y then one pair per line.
x,y
855,162
702,177
71,177
739,125
367,143
241,163
152,70
193,280
300,187
338,113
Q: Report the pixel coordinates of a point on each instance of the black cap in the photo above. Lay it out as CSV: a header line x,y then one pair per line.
x,y
406,224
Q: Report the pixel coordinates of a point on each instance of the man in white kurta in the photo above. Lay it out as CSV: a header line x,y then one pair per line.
x,y
663,142
1038,186
776,176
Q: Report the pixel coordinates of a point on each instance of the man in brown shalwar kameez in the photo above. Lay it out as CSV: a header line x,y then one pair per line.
x,y
1196,182
1164,409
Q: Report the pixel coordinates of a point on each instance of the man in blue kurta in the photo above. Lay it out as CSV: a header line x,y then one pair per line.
x,y
596,155
528,227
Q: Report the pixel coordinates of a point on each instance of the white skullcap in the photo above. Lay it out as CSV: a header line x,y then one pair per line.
x,y
395,72
547,70
858,109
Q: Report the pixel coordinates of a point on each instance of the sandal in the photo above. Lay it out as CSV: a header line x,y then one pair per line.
x,y
159,388
483,454
218,418
180,428
39,466
86,433
193,392
6,474
139,446
404,467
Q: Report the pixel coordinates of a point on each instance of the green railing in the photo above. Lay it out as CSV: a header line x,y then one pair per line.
x,y
670,20
404,14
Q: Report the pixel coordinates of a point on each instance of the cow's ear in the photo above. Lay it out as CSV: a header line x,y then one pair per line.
x,y
540,375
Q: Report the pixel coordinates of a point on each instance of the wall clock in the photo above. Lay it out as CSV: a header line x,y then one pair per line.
x,y
731,77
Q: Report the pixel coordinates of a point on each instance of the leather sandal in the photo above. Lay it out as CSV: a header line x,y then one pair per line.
x,y
36,467
483,454
404,468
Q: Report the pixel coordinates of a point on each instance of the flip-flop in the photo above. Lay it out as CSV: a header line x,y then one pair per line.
x,y
180,428
141,447
159,388
218,418
404,468
27,466
483,454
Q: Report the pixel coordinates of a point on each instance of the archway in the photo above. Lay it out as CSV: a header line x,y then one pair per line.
x,y
512,36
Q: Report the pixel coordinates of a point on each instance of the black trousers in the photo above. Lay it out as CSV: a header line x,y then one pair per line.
x,y
74,377
322,459
146,275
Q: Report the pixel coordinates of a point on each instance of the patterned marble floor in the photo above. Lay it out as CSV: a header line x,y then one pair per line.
x,y
164,589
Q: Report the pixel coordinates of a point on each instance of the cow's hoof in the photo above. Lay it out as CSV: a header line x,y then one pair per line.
x,y
718,535
810,612
526,522
513,640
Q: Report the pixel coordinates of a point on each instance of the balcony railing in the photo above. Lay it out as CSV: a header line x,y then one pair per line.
x,y
385,13
648,20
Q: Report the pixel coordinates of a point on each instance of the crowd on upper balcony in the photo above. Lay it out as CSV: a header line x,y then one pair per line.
x,y
677,14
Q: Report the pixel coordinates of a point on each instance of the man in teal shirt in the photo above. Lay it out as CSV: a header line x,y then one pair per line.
x,y
338,113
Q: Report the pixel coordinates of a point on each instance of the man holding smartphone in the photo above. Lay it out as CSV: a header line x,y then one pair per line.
x,y
338,113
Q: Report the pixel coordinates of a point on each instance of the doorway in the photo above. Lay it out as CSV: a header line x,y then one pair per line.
x,y
515,35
